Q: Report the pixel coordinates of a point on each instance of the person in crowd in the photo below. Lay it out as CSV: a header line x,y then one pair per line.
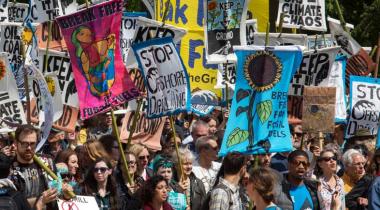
x,y
198,129
189,185
374,195
296,191
55,143
155,194
205,168
70,158
164,167
128,193
89,152
226,194
99,183
167,130
142,154
27,175
374,165
7,145
168,145
356,181
332,187
111,146
264,160
13,198
213,124
260,188
71,139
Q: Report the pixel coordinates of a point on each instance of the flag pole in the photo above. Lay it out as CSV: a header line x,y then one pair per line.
x,y
176,148
341,18
134,122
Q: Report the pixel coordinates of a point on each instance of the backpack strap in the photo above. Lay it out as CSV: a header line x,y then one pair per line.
x,y
228,190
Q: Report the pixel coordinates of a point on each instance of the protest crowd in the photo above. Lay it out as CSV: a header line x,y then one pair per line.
x,y
186,107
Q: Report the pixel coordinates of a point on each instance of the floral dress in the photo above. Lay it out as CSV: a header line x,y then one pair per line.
x,y
327,192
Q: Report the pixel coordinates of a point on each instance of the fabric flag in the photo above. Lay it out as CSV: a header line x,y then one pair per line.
x,y
147,29
44,10
258,118
11,109
92,40
336,79
225,27
364,105
359,63
308,14
275,39
3,11
44,99
315,67
251,29
127,32
18,12
165,77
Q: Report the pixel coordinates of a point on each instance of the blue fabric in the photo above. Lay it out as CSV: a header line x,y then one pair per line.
x,y
272,208
301,198
259,115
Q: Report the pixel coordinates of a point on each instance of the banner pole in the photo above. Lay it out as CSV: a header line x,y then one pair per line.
x,y
373,51
134,122
176,148
26,84
377,57
267,35
281,23
341,18
321,141
47,45
116,133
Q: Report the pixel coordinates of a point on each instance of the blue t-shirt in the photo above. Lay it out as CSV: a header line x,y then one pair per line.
x,y
301,198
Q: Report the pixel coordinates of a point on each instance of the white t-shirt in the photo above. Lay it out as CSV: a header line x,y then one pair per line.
x,y
207,176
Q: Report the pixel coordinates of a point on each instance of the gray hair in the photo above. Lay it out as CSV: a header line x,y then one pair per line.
x,y
348,156
197,124
184,153
203,142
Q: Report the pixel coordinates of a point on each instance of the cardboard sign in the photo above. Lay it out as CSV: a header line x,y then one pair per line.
x,y
224,28
78,203
68,120
285,39
364,105
93,44
56,38
315,68
258,121
11,108
318,106
165,76
304,14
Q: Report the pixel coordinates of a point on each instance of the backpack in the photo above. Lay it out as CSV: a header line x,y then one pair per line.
x,y
7,201
206,202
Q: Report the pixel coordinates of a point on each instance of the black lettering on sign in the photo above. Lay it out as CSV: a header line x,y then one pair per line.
x,y
64,121
144,125
147,33
297,13
10,111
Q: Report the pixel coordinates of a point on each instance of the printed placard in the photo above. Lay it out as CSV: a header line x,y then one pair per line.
x,y
224,28
93,44
315,68
304,14
364,105
165,77
318,106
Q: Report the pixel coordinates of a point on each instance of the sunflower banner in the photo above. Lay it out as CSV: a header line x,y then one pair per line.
x,y
92,36
258,120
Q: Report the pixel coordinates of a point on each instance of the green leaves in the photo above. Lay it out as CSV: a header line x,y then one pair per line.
x,y
236,137
264,110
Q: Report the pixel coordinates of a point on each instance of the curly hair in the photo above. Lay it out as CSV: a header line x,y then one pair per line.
x,y
149,188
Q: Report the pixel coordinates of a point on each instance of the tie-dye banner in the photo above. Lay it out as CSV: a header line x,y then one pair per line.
x,y
92,37
258,120
165,76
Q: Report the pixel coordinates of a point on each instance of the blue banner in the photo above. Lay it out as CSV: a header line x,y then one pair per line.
x,y
258,120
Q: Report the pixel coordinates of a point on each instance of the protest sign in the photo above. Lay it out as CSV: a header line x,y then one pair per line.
x,y
315,67
202,110
359,63
68,120
56,93
44,101
147,29
56,39
18,12
79,202
46,10
336,79
303,14
150,5
295,109
92,41
59,63
319,42
276,40
69,6
364,105
165,77
3,11
226,75
127,32
11,108
258,120
251,28
318,106
225,27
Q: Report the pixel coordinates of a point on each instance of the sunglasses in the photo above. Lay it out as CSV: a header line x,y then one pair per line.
x,y
100,170
298,163
144,157
327,159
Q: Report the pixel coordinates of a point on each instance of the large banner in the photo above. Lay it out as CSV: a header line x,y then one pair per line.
x,y
336,79
92,40
303,14
364,105
258,120
315,67
225,27
11,108
165,77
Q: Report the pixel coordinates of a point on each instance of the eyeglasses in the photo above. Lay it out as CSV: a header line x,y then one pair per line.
x,y
298,163
327,159
27,144
297,134
100,170
144,157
